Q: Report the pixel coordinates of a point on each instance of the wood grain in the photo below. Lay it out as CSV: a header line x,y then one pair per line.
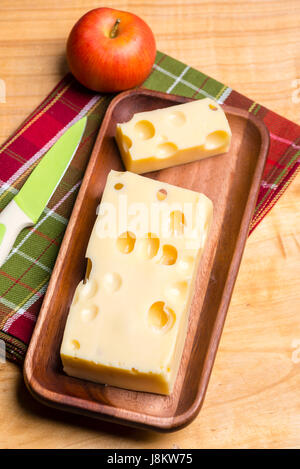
x,y
253,395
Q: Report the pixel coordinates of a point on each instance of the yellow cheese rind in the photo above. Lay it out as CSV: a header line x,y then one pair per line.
x,y
127,324
179,134
115,376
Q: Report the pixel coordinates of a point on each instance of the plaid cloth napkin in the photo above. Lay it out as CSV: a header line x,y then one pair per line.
x,y
25,275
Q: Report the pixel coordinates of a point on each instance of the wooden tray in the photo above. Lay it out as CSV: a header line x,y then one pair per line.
x,y
232,182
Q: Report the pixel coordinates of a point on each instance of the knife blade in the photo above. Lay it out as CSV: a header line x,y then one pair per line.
x,y
26,207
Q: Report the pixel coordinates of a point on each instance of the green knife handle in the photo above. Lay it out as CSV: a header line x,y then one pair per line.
x,y
12,221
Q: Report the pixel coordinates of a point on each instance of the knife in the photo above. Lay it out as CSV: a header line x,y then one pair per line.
x,y
26,207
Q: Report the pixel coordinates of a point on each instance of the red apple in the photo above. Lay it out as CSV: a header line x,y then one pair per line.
x,y
110,50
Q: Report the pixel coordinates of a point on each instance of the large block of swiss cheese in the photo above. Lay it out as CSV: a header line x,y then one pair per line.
x,y
128,322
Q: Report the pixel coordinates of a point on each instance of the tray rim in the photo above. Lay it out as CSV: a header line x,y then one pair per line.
x,y
170,423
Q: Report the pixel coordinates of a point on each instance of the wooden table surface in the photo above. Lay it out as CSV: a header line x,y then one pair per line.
x,y
253,396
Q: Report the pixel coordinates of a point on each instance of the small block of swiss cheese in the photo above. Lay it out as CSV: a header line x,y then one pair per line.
x,y
128,321
183,133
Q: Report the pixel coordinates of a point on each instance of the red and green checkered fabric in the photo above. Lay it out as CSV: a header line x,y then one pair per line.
x,y
25,275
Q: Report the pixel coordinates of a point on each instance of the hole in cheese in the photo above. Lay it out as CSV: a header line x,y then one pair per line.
x,y
177,291
177,118
169,255
177,222
89,289
144,129
161,317
126,242
149,246
216,139
161,194
185,263
112,282
165,150
212,107
127,142
87,270
118,186
75,344
89,313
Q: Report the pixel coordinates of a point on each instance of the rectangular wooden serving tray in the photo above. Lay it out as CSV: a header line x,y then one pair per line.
x,y
232,182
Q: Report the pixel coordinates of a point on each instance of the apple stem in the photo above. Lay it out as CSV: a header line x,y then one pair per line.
x,y
114,30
